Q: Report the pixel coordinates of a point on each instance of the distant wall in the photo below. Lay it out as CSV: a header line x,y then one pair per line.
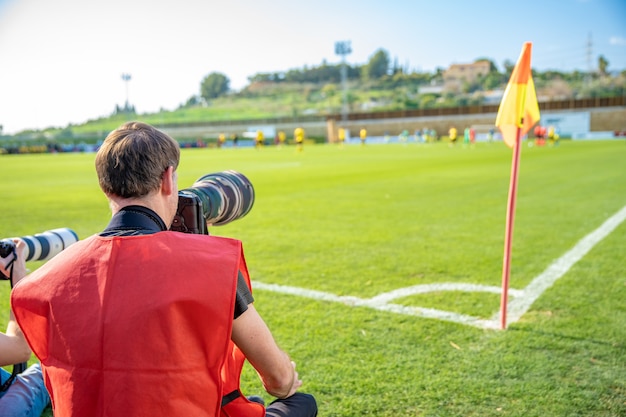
x,y
601,119
613,119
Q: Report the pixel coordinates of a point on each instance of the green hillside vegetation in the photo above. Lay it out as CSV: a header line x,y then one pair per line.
x,y
378,85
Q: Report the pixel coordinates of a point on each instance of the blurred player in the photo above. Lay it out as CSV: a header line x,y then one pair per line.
x,y
258,140
363,135
452,134
298,135
341,136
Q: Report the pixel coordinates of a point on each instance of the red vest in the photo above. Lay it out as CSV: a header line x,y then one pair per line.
x,y
140,325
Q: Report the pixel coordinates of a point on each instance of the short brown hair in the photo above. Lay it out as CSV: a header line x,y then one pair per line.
x,y
132,160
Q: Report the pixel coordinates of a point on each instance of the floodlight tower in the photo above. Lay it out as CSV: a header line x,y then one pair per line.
x,y
589,64
126,78
342,49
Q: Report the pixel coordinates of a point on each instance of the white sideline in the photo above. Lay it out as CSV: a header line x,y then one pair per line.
x,y
520,302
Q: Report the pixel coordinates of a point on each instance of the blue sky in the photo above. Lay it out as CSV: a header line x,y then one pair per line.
x,y
61,61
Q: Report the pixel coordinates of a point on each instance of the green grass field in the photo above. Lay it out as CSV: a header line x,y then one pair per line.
x,y
358,222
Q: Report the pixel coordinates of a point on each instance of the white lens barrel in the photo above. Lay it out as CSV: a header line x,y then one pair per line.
x,y
44,246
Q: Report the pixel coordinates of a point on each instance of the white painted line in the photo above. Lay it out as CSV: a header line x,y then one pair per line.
x,y
517,307
376,304
444,286
303,292
520,305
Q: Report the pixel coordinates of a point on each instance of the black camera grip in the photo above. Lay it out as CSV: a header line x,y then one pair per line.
x,y
7,248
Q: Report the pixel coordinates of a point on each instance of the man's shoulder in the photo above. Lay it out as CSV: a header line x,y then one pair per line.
x,y
191,239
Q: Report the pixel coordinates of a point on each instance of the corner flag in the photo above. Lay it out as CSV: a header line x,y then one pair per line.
x,y
518,112
519,108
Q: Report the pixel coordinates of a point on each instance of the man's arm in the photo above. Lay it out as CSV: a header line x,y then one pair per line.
x,y
276,370
13,346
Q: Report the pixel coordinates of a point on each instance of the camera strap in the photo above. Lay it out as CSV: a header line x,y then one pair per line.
x,y
18,368
10,267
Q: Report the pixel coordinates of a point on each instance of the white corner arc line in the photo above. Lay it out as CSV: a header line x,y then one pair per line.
x,y
443,286
520,305
517,307
377,304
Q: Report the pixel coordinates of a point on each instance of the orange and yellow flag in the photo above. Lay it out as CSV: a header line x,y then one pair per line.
x,y
519,108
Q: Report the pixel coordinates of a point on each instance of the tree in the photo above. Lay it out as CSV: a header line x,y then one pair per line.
x,y
191,102
428,101
492,80
396,69
492,65
378,65
603,64
508,68
329,90
214,85
127,109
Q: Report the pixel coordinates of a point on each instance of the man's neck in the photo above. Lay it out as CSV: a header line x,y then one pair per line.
x,y
134,220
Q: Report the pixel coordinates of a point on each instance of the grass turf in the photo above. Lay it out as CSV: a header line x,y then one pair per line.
x,y
363,220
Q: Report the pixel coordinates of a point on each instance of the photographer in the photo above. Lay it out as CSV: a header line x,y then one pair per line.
x,y
139,320
23,394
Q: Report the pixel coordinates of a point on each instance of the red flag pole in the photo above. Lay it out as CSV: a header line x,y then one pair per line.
x,y
508,237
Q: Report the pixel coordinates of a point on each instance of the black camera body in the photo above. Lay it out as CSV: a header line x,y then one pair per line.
x,y
6,248
214,199
189,216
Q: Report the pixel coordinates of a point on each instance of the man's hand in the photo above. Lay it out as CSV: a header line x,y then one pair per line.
x,y
297,382
14,265
13,346
277,372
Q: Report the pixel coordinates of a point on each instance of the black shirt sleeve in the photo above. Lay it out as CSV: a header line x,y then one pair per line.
x,y
244,296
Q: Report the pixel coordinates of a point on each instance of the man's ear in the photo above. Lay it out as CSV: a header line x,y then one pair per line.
x,y
168,181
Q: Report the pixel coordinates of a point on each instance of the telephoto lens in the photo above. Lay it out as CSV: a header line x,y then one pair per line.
x,y
225,196
43,246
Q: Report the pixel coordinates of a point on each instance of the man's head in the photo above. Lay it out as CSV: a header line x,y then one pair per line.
x,y
136,165
132,159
